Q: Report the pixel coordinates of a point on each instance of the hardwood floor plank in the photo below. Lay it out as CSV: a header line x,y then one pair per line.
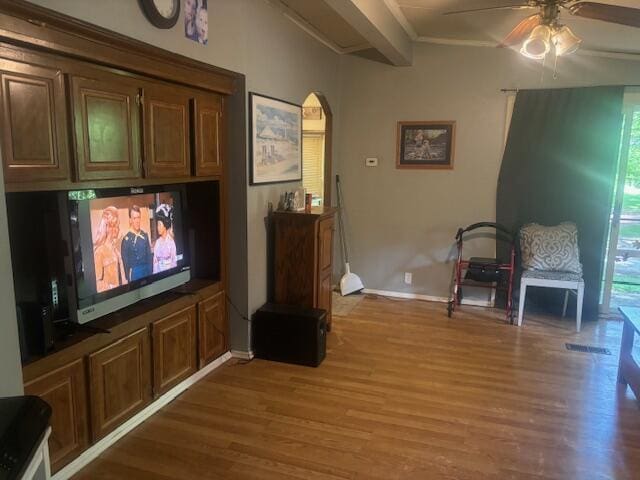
x,y
404,393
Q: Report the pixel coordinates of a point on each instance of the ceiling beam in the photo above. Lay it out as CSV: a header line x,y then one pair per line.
x,y
377,24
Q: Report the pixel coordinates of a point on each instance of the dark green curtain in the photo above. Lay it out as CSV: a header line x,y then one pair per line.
x,y
559,165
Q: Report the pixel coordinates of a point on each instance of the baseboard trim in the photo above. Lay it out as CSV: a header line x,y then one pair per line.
x,y
242,354
94,451
428,298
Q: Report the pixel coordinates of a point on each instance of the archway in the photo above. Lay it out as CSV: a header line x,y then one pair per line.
x,y
317,125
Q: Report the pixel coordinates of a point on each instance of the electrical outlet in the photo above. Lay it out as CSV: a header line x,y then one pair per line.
x,y
371,162
408,278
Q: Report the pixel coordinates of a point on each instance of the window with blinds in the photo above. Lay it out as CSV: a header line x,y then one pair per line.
x,y
313,165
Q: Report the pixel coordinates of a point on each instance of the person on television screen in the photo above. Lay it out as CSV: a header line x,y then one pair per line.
x,y
164,250
106,252
136,249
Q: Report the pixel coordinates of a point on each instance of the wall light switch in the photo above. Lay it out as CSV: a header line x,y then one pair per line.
x,y
408,278
371,162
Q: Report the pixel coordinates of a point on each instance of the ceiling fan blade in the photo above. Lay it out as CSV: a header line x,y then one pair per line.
x,y
522,31
607,13
503,7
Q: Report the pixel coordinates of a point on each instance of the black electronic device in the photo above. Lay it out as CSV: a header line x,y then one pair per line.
x,y
23,422
35,328
290,334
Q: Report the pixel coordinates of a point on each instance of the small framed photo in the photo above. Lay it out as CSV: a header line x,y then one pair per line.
x,y
276,140
426,144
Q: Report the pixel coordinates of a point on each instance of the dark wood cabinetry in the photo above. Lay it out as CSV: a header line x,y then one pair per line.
x,y
106,117
174,349
304,258
120,382
212,328
83,108
166,125
207,132
65,390
34,123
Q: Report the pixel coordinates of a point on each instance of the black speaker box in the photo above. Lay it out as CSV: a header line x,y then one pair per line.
x,y
290,334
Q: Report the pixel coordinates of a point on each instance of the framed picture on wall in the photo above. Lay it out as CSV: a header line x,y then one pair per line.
x,y
425,144
276,140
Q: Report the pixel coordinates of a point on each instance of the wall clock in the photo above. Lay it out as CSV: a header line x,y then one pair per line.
x,y
161,13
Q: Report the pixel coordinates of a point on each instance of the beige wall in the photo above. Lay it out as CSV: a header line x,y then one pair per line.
x,y
405,220
10,369
246,36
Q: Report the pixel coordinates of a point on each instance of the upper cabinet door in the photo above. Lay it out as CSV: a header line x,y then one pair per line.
x,y
167,151
208,135
107,127
34,134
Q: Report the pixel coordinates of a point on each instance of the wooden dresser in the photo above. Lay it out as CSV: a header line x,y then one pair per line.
x,y
303,262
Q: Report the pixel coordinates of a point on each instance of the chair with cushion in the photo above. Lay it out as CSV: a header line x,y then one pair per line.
x,y
550,258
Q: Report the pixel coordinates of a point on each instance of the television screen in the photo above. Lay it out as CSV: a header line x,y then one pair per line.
x,y
121,242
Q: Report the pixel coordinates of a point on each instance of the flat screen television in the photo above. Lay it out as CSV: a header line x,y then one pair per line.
x,y
127,244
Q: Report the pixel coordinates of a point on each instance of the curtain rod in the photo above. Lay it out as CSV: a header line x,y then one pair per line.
x,y
516,90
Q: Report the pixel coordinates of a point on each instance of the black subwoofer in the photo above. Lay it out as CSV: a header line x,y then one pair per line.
x,y
290,334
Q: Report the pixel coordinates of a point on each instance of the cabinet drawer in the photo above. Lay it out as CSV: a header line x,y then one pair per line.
x,y
65,390
119,378
174,349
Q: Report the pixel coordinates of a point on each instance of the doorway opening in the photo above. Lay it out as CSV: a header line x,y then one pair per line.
x,y
316,148
622,273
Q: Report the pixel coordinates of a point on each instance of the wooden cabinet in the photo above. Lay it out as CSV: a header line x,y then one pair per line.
x,y
174,349
34,123
65,390
207,130
106,117
212,328
167,150
304,258
120,382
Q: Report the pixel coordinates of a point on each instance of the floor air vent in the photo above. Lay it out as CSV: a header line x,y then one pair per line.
x,y
574,347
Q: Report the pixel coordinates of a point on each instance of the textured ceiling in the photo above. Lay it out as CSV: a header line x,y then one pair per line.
x,y
426,19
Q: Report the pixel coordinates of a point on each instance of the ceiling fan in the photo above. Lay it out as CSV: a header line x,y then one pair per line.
x,y
542,32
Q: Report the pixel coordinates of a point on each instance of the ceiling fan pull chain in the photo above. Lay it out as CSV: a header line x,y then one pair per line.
x,y
555,66
544,61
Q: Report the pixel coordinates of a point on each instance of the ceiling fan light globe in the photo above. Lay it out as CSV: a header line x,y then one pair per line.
x,y
565,41
538,44
531,55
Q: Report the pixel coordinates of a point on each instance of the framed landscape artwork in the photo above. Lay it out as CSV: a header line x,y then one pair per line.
x,y
276,140
426,144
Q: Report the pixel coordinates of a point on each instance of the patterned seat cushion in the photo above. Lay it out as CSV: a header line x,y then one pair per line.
x,y
550,249
563,276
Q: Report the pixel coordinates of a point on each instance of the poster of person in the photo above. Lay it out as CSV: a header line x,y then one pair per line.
x,y
425,144
196,21
276,134
133,238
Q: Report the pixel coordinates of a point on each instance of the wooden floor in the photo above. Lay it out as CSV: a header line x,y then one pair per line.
x,y
405,393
